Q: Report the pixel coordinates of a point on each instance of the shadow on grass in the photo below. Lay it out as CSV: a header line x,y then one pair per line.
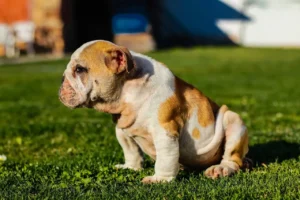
x,y
273,151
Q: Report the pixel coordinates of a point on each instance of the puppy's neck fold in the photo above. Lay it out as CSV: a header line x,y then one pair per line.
x,y
122,113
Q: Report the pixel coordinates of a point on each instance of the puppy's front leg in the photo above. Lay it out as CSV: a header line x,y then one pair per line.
x,y
132,152
167,158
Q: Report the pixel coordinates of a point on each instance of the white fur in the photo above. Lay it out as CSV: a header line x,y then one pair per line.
x,y
132,154
77,84
205,137
218,136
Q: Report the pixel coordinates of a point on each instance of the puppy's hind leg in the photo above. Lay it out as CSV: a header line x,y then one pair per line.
x,y
132,152
236,147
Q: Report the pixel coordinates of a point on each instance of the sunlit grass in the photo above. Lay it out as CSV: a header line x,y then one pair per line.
x,y
57,153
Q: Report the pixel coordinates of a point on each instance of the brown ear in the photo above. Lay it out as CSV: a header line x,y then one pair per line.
x,y
118,60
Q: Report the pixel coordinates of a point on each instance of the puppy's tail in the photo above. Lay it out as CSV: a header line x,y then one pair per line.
x,y
219,133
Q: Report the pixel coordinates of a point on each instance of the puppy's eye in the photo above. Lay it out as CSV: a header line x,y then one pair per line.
x,y
79,69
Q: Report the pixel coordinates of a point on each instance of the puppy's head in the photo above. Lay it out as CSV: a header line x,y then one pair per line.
x,y
95,74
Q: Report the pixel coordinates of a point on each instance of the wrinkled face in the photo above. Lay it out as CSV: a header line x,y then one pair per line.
x,y
94,74
76,85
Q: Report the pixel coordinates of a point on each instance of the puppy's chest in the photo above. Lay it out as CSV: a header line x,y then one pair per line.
x,y
140,134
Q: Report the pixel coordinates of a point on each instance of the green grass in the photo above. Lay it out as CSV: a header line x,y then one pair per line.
x,y
57,153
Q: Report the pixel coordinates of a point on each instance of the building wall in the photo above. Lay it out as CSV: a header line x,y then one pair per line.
x,y
274,23
192,22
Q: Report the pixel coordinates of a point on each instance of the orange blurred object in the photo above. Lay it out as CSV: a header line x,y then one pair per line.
x,y
12,11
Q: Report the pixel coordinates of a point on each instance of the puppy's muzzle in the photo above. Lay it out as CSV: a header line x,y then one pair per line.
x,y
68,95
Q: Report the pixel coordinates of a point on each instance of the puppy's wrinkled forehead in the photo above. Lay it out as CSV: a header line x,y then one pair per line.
x,y
88,52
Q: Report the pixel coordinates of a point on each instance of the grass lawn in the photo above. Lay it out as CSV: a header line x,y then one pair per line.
x,y
57,153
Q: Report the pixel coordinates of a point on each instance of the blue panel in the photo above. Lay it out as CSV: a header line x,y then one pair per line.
x,y
129,23
199,17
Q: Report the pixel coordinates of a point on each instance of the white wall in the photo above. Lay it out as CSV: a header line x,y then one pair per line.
x,y
272,23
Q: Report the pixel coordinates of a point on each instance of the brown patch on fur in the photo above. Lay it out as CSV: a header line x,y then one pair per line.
x,y
171,115
240,150
207,109
206,112
94,56
196,133
115,58
176,109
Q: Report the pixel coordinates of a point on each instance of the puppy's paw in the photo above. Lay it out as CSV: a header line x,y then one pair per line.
x,y
157,179
125,166
217,171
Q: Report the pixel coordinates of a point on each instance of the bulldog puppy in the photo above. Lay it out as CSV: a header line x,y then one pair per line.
x,y
155,112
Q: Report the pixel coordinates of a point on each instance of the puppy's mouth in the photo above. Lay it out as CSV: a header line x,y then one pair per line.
x,y
71,102
72,99
88,103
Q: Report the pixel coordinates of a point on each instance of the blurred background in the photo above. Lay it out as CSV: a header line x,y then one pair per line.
x,y
58,27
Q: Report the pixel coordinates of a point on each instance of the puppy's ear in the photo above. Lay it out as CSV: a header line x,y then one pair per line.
x,y
119,59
